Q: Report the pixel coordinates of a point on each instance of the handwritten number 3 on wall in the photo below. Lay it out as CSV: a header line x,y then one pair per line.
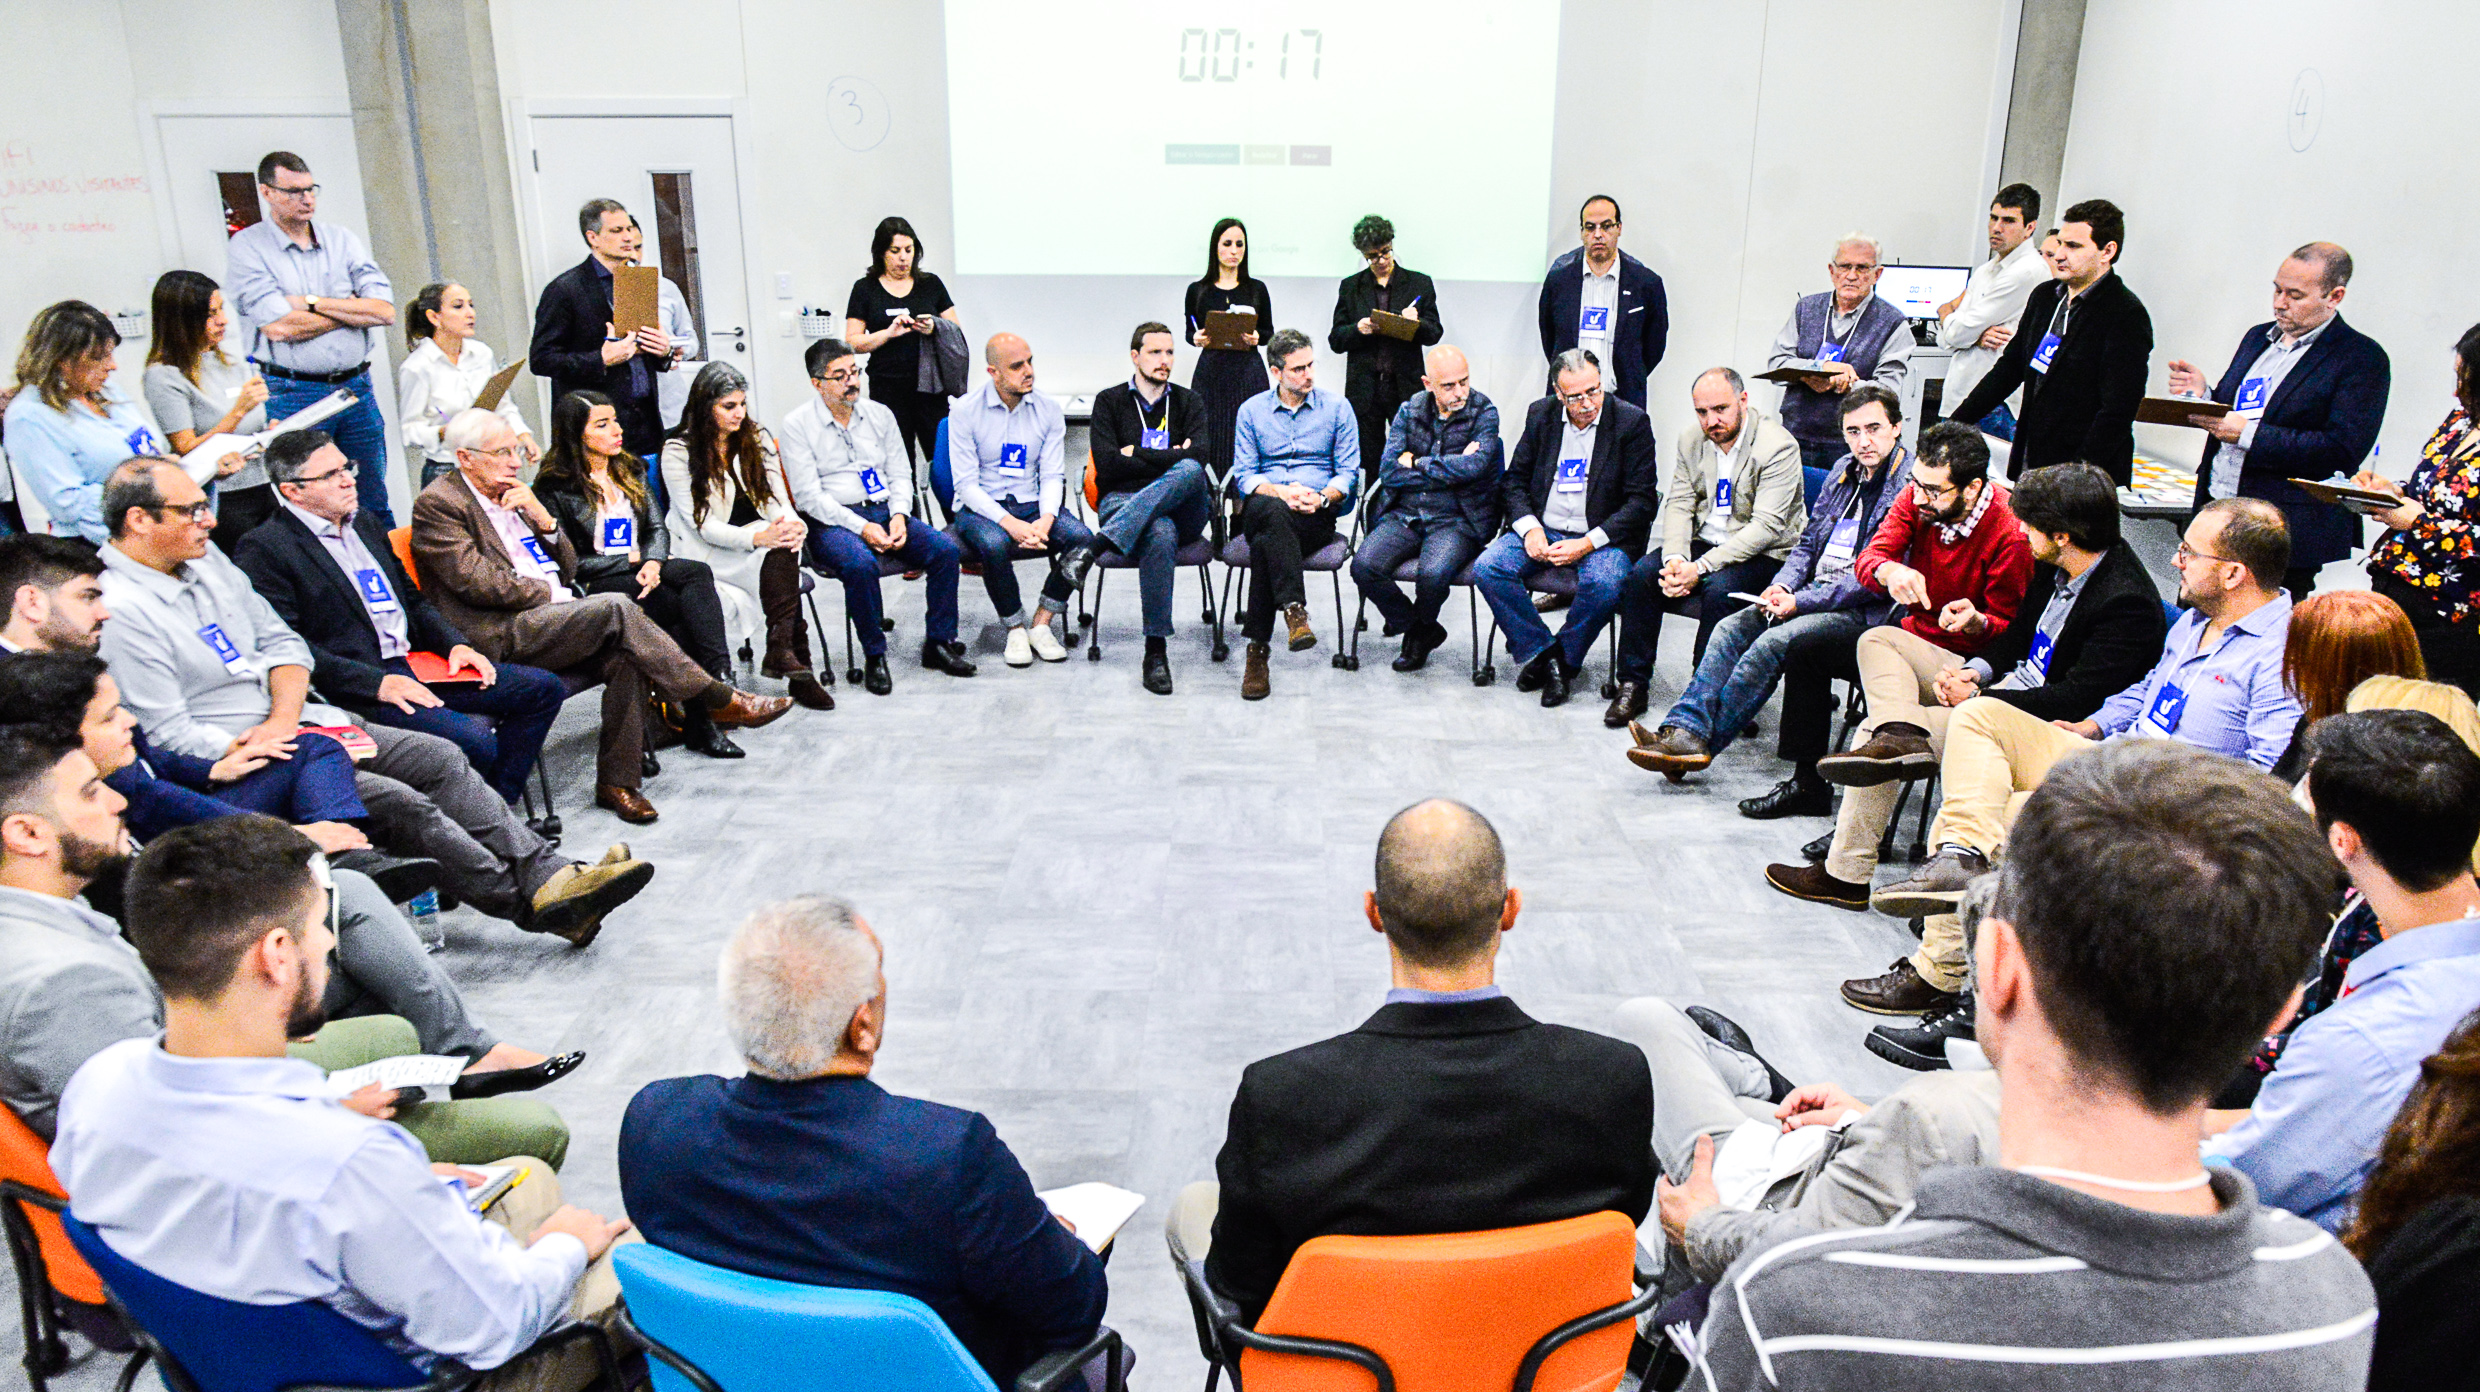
x,y
857,113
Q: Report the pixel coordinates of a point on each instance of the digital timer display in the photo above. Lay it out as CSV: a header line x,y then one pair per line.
x,y
1222,55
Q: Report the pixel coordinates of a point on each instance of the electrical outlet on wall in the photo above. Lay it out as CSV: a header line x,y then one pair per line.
x,y
783,285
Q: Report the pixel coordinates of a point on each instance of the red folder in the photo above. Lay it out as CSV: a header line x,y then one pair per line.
x,y
431,669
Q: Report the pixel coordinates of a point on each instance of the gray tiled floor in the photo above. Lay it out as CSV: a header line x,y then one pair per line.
x,y
1099,905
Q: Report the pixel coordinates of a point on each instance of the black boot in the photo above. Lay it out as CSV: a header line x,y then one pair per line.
x,y
698,732
875,678
1157,667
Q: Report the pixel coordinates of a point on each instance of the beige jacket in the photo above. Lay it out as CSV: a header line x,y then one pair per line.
x,y
1768,502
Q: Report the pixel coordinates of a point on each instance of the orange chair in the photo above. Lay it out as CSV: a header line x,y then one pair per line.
x,y
1546,1308
401,541
47,1266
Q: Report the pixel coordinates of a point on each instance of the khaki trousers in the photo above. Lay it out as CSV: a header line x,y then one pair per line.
x,y
612,635
571,1368
1898,670
1994,752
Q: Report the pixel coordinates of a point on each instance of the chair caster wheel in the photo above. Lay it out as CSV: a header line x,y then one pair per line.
x,y
1222,652
1093,654
1610,691
1487,676
551,827
853,675
1342,662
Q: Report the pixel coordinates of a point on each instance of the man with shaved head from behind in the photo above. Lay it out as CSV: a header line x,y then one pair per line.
x,y
1450,1110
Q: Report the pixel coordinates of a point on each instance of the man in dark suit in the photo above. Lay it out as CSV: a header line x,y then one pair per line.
x,y
2080,353
2307,393
573,345
329,571
1582,490
805,1170
502,571
1450,1110
1601,298
1381,372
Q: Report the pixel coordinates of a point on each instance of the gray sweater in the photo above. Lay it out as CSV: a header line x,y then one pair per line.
x,y
1998,1280
70,986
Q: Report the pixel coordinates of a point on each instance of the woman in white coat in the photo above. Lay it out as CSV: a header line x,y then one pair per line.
x,y
445,370
731,507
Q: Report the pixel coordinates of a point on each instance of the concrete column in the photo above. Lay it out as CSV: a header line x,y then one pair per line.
x,y
442,200
2047,43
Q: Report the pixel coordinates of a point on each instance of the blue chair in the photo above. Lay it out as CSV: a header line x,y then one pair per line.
x,y
204,1343
713,1330
1812,483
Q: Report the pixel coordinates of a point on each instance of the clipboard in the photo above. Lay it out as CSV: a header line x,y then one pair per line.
x,y
1225,327
2174,410
2357,499
635,302
1394,325
1795,370
496,390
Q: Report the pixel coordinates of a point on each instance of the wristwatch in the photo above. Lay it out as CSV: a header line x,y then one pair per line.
x,y
311,303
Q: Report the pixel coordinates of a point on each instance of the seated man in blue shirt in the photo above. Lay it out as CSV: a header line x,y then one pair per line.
x,y
212,1160
1004,452
1296,464
2398,795
805,1170
1437,500
2218,685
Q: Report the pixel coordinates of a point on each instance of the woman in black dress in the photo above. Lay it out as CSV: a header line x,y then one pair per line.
x,y
888,317
1227,376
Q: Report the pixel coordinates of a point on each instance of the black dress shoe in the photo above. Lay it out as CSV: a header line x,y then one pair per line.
x,y
1792,797
705,739
1817,850
1923,1049
1417,648
647,765
1158,673
1558,685
400,878
875,678
946,657
505,1080
1724,1031
1537,671
1074,562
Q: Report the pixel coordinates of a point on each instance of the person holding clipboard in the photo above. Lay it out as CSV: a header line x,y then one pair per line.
x,y
1227,374
888,317
1384,317
446,370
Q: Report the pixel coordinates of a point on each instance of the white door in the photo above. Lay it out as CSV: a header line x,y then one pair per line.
x,y
679,176
210,191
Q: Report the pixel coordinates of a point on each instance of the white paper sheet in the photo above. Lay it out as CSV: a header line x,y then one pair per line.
x,y
1098,1210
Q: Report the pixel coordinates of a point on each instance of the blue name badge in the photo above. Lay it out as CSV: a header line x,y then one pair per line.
x,y
1830,353
2168,705
873,483
1012,460
1841,545
2252,395
213,636
374,588
1722,495
1571,476
142,441
2044,351
1596,320
619,533
1154,439
2040,654
535,552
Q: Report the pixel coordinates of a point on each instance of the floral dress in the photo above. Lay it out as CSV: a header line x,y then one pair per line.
x,y
2436,555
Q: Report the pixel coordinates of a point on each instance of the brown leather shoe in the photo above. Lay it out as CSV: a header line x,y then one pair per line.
x,y
1254,683
1674,752
1296,618
1899,992
1896,751
747,712
572,903
806,690
1629,703
1811,882
628,804
1643,737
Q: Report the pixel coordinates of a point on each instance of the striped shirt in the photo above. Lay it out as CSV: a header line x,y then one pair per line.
x,y
1997,1280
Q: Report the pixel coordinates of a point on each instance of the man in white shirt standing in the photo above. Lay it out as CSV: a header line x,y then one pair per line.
x,y
1976,324
213,1161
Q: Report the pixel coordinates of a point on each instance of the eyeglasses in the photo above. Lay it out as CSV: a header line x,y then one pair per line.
x,y
2186,553
1384,253
200,511
1931,492
841,376
1846,268
503,452
305,191
1612,225
306,480
1579,398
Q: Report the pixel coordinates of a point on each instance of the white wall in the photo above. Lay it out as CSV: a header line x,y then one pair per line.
x,y
1738,138
2184,118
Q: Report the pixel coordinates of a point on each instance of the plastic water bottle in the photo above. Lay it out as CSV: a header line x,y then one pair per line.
x,y
423,912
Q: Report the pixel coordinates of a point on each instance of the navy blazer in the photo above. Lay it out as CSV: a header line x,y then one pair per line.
x,y
567,350
1637,341
299,578
1622,480
2321,421
837,1182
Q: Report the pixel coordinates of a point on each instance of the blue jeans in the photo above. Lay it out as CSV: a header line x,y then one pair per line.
x,y
843,554
987,544
360,431
1640,617
1742,664
1500,575
501,727
1444,549
315,785
1152,524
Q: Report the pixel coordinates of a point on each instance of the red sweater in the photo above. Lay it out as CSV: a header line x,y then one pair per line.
x,y
1991,566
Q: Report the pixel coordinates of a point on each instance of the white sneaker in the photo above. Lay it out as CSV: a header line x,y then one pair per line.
x,y
1019,649
1045,643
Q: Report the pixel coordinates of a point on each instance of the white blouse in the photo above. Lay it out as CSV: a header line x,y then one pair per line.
x,y
430,390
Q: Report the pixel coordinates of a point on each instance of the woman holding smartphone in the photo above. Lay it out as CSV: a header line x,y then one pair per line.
x,y
1225,377
888,317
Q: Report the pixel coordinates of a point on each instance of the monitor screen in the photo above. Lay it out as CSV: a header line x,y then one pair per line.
x,y
1919,290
